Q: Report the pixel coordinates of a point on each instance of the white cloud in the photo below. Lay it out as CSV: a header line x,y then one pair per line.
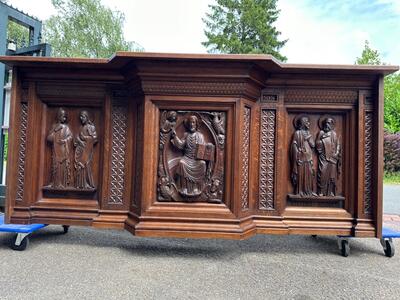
x,y
312,40
164,26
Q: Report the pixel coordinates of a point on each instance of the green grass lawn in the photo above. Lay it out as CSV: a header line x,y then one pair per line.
x,y
391,178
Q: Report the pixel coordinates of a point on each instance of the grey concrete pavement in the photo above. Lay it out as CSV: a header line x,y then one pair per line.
x,y
107,264
391,198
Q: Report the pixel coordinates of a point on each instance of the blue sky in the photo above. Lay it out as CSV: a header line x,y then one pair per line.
x,y
319,31
334,31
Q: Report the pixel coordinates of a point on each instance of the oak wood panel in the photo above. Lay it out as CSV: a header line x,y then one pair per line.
x,y
259,97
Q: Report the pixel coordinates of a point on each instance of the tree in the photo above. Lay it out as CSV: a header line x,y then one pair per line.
x,y
243,26
17,34
369,56
86,28
392,103
391,89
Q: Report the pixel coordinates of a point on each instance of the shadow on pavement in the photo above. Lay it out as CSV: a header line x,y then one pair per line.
x,y
194,248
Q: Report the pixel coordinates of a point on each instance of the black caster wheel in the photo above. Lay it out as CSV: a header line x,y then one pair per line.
x,y
389,248
344,248
22,246
66,228
314,236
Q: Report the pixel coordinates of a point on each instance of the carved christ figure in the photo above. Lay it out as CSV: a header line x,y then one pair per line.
x,y
301,151
84,143
190,171
329,149
60,137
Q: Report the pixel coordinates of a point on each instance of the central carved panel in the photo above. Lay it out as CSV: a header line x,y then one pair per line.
x,y
191,156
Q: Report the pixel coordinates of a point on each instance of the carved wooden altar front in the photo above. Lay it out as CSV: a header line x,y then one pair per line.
x,y
196,145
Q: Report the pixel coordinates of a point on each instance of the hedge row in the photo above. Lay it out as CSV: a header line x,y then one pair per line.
x,y
392,152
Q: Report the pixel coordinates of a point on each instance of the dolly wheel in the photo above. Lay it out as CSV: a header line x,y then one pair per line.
x,y
22,245
344,248
389,248
66,228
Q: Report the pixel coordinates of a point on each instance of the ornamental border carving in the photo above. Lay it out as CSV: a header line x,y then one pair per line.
x,y
201,88
320,96
245,151
118,151
22,152
368,158
267,159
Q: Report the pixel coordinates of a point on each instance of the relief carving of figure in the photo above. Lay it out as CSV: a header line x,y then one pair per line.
x,y
60,138
301,154
84,144
329,152
191,171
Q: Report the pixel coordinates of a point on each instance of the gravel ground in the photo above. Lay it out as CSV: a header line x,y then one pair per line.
x,y
107,264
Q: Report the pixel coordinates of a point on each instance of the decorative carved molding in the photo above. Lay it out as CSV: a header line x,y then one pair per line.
x,y
118,151
320,96
53,90
191,156
247,88
269,98
245,156
22,152
368,158
267,159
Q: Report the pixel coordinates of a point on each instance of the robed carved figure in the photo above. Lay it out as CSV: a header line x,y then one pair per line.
x,y
84,144
60,138
329,155
191,170
191,157
301,153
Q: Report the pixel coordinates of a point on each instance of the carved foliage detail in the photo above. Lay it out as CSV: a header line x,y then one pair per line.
x,y
118,150
245,153
368,164
191,156
22,151
267,155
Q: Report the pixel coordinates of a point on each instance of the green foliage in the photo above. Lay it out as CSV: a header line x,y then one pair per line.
x,y
17,33
86,28
243,26
391,178
369,56
392,103
392,89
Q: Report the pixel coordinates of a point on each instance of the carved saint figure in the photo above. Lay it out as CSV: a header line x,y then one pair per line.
x,y
60,138
301,151
190,171
329,152
84,143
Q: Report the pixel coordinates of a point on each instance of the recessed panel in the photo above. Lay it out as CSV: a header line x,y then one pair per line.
x,y
73,141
